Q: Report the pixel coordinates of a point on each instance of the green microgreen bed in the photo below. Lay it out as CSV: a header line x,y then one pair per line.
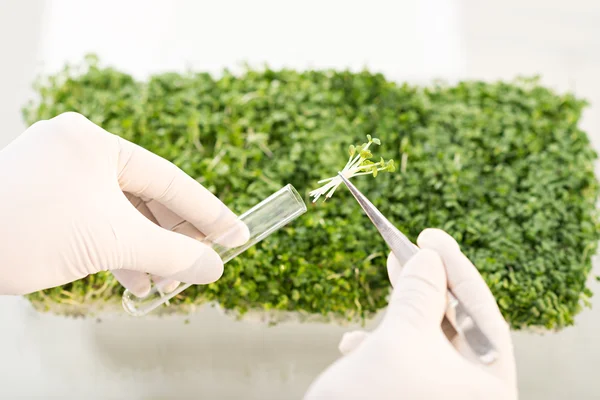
x,y
501,166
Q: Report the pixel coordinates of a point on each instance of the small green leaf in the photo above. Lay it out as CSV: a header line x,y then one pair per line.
x,y
366,154
352,150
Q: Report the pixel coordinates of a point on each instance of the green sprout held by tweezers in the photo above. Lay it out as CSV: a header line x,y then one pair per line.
x,y
358,164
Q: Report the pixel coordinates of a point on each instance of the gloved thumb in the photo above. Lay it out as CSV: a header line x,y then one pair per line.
x,y
351,340
419,296
146,247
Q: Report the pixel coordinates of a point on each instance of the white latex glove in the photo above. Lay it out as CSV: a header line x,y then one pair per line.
x,y
77,200
408,356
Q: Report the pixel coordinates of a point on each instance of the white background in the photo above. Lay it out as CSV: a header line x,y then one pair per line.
x,y
213,357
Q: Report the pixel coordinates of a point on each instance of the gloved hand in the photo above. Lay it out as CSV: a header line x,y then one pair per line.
x,y
408,356
77,200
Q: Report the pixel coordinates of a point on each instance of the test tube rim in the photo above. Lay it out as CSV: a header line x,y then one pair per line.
x,y
299,211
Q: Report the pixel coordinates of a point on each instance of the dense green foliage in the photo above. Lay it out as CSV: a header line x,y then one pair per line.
x,y
503,167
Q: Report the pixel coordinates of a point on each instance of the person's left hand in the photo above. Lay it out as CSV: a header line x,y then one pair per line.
x,y
77,200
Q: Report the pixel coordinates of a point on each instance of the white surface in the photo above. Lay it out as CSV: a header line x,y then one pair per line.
x,y
213,357
400,38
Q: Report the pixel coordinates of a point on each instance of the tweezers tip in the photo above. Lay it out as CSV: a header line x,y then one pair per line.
x,y
343,178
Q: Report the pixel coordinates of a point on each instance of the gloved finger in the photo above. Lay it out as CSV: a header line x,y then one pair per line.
x,y
149,176
139,283
136,282
146,247
394,268
464,279
165,285
419,296
169,220
351,340
469,287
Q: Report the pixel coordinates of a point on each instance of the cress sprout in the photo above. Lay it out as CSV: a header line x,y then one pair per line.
x,y
358,164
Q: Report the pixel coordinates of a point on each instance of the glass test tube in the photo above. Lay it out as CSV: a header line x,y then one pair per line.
x,y
263,219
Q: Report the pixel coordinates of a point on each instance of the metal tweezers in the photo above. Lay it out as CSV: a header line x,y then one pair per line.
x,y
464,325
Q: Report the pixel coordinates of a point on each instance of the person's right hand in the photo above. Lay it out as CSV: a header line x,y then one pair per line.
x,y
408,356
